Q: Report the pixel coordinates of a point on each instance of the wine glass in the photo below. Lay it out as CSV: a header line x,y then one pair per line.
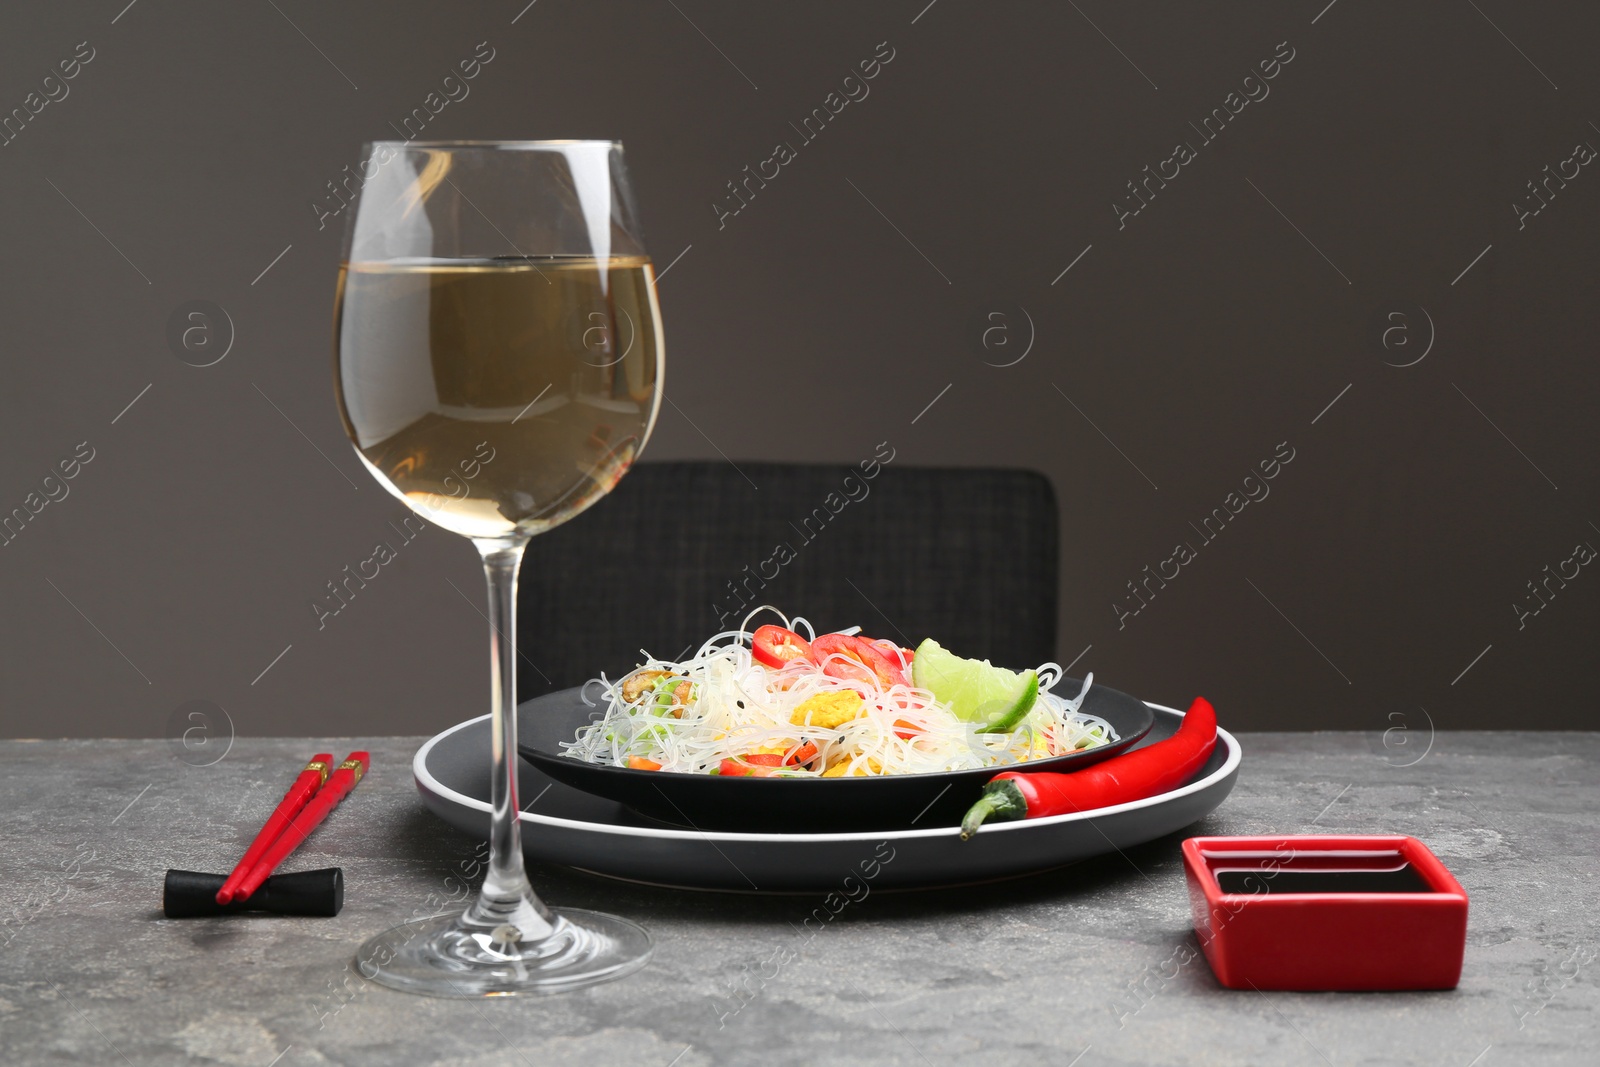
x,y
498,367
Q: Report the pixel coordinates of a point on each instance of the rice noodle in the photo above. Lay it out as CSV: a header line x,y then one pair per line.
x,y
739,707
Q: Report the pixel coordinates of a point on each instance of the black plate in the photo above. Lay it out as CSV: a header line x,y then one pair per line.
x,y
802,805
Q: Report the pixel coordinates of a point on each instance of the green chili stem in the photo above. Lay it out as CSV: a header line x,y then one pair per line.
x,y
1001,800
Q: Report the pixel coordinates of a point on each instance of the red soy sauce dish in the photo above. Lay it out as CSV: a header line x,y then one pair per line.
x,y
1326,912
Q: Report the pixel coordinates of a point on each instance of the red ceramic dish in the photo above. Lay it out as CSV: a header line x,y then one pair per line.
x,y
1326,912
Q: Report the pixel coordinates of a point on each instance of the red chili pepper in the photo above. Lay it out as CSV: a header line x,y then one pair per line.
x,y
1131,776
639,763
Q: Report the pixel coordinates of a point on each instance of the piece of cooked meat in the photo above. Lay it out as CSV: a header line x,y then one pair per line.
x,y
640,681
680,697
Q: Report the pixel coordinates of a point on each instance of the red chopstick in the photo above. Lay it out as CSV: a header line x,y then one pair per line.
x,y
339,784
305,784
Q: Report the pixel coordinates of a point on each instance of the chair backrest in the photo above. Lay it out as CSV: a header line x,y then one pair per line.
x,y
682,550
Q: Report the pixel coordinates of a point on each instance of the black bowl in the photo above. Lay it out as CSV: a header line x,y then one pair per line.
x,y
798,805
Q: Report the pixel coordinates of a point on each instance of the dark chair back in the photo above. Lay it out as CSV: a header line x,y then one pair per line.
x,y
680,551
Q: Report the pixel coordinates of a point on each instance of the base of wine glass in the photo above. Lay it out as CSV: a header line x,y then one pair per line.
x,y
445,956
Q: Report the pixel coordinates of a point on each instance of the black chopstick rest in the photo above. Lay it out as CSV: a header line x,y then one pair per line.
x,y
192,894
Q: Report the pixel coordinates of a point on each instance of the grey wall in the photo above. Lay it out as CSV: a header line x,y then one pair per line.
x,y
1244,307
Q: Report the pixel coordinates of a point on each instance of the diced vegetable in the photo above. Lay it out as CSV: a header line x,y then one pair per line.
x,y
756,765
804,754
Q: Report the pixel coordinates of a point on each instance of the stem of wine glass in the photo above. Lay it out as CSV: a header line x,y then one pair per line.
x,y
507,898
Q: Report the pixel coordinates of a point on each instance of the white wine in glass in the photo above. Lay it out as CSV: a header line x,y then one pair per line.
x,y
499,364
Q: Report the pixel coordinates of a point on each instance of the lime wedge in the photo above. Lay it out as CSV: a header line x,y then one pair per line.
x,y
975,690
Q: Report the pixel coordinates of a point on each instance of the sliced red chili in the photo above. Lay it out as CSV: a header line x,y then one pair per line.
x,y
775,646
893,652
855,660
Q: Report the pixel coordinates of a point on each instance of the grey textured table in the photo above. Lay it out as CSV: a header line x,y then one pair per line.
x,y
1032,971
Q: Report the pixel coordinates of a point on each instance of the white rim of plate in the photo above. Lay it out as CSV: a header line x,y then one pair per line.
x,y
426,780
